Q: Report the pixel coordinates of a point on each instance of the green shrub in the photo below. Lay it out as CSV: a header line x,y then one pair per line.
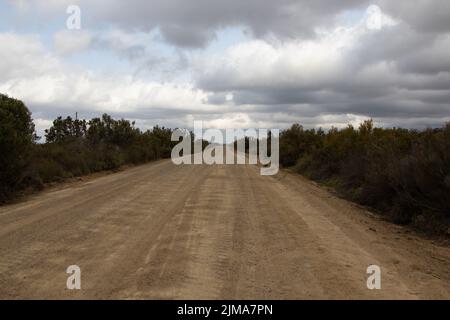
x,y
16,138
73,147
405,174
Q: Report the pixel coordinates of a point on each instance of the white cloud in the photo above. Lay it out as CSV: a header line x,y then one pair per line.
x,y
341,120
376,19
63,88
307,64
388,61
72,41
23,57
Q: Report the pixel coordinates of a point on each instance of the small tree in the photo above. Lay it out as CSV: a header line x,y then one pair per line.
x,y
64,130
17,134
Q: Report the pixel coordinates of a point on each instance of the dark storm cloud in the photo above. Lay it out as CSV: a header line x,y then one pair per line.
x,y
412,52
286,97
401,71
430,16
399,74
193,23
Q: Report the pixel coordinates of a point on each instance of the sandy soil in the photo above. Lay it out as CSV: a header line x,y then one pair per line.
x,y
161,231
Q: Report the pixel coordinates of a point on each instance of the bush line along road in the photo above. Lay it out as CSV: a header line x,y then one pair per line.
x,y
195,231
166,231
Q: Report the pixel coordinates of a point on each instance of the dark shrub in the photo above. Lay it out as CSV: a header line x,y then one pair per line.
x,y
16,138
73,147
405,174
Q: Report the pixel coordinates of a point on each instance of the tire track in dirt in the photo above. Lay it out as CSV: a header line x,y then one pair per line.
x,y
161,231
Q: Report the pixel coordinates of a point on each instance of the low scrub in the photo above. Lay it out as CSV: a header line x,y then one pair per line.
x,y
404,174
72,147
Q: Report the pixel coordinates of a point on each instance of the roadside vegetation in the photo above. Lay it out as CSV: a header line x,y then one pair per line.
x,y
72,147
404,174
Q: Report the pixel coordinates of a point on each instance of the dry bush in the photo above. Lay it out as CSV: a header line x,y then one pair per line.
x,y
405,174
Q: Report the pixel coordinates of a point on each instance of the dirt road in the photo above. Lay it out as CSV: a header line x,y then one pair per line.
x,y
162,231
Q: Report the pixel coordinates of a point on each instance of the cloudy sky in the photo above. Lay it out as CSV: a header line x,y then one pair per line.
x,y
233,63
